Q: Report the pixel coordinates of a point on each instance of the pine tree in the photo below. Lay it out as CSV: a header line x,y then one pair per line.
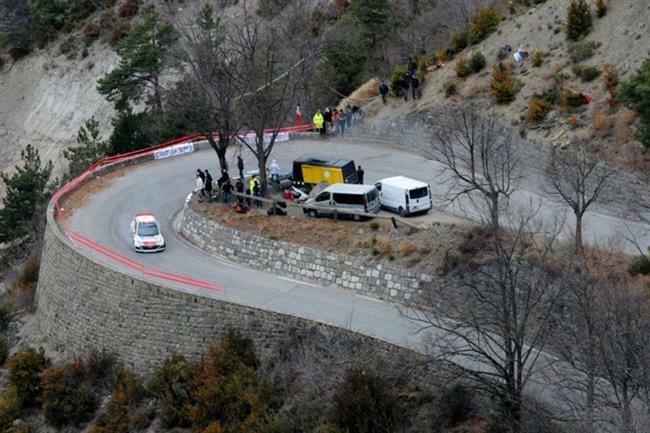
x,y
144,54
25,191
635,95
90,148
578,22
375,18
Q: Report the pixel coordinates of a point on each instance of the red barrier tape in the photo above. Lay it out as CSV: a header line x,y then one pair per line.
x,y
130,263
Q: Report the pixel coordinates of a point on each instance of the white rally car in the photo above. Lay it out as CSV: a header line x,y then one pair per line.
x,y
146,233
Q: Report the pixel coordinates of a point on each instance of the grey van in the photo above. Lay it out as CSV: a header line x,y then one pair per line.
x,y
342,197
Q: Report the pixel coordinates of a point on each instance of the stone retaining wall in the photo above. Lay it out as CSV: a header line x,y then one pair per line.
x,y
299,262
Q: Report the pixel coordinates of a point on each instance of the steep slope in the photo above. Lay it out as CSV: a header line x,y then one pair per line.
x,y
621,38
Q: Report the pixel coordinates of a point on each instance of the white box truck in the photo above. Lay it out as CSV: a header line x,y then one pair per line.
x,y
404,195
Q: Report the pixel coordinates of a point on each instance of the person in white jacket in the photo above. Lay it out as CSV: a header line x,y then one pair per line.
x,y
198,188
274,168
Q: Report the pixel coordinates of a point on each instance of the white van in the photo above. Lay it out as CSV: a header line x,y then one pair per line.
x,y
344,197
404,196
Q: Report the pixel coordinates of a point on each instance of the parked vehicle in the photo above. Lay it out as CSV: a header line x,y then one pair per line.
x,y
404,195
312,171
343,197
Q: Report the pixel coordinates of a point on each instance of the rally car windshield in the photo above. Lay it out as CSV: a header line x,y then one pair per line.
x,y
147,229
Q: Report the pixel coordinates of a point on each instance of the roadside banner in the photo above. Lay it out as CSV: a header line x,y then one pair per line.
x,y
175,150
249,138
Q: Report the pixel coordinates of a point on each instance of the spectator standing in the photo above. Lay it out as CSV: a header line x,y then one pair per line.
x,y
227,189
348,115
415,84
383,89
318,121
274,168
239,187
327,117
360,174
200,173
335,121
405,88
354,115
198,188
208,185
240,166
343,120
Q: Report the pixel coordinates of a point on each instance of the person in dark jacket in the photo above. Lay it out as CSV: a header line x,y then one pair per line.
x,y
360,174
383,89
405,88
240,166
342,123
415,83
208,185
226,188
239,187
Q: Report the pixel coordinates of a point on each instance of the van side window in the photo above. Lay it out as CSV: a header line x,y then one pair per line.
x,y
348,198
323,196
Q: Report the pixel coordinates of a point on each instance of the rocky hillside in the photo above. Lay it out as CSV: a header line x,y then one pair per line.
x,y
621,39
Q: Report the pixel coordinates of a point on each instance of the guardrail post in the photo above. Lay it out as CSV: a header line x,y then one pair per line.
x,y
336,216
394,222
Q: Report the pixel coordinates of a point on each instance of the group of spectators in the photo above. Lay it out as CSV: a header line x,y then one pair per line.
x,y
410,81
205,186
334,121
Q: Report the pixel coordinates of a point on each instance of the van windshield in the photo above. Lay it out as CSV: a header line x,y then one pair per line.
x,y
418,193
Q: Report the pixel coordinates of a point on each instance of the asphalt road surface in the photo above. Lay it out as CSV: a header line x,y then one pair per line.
x,y
162,186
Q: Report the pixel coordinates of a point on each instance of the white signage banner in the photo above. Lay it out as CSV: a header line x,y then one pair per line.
x,y
249,138
175,150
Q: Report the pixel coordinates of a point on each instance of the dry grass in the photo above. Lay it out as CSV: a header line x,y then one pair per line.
x,y
407,248
367,91
402,247
574,121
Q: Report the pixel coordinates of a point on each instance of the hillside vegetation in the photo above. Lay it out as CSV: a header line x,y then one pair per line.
x,y
543,96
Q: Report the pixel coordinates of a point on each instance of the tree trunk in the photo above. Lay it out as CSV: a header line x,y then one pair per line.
x,y
494,213
261,165
219,150
578,247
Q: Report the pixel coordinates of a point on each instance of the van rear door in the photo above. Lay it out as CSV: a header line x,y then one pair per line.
x,y
418,199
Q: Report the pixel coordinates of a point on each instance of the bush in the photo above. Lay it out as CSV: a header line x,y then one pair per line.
x,y
601,8
581,51
450,262
462,66
552,95
586,73
170,388
101,368
4,350
450,89
9,407
28,277
68,398
67,45
578,20
477,61
129,8
91,31
455,405
5,317
127,395
225,386
373,225
459,40
571,99
639,265
364,403
484,22
538,59
407,248
24,373
610,81
503,86
538,109
397,79
601,123
635,95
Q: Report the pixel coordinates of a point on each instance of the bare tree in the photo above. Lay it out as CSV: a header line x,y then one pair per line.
x,y
480,156
498,318
622,341
210,82
270,68
576,180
